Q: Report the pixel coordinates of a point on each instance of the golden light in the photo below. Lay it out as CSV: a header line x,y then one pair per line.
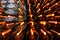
x,y
7,25
43,22
20,10
40,15
50,15
43,31
55,32
38,10
19,32
53,22
32,32
30,15
31,22
46,5
9,16
20,16
49,9
5,32
21,23
37,5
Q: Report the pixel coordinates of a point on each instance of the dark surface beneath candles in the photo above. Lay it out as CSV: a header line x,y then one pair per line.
x,y
29,19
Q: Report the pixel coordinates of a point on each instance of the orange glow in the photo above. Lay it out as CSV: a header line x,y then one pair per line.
x,y
54,5
37,5
53,22
38,10
8,15
21,23
43,32
32,32
50,15
19,32
48,10
4,33
30,15
7,25
28,1
43,22
46,5
31,22
52,1
20,10
2,16
20,16
2,22
55,32
40,15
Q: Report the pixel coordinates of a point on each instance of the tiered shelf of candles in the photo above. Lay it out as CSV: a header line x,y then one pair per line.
x,y
30,20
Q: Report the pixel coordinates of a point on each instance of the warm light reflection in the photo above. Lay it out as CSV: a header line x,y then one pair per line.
x,y
19,32
7,25
50,15
30,15
2,22
38,10
43,22
40,15
20,16
46,5
37,5
21,23
32,32
54,5
43,31
5,32
53,22
55,32
31,22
